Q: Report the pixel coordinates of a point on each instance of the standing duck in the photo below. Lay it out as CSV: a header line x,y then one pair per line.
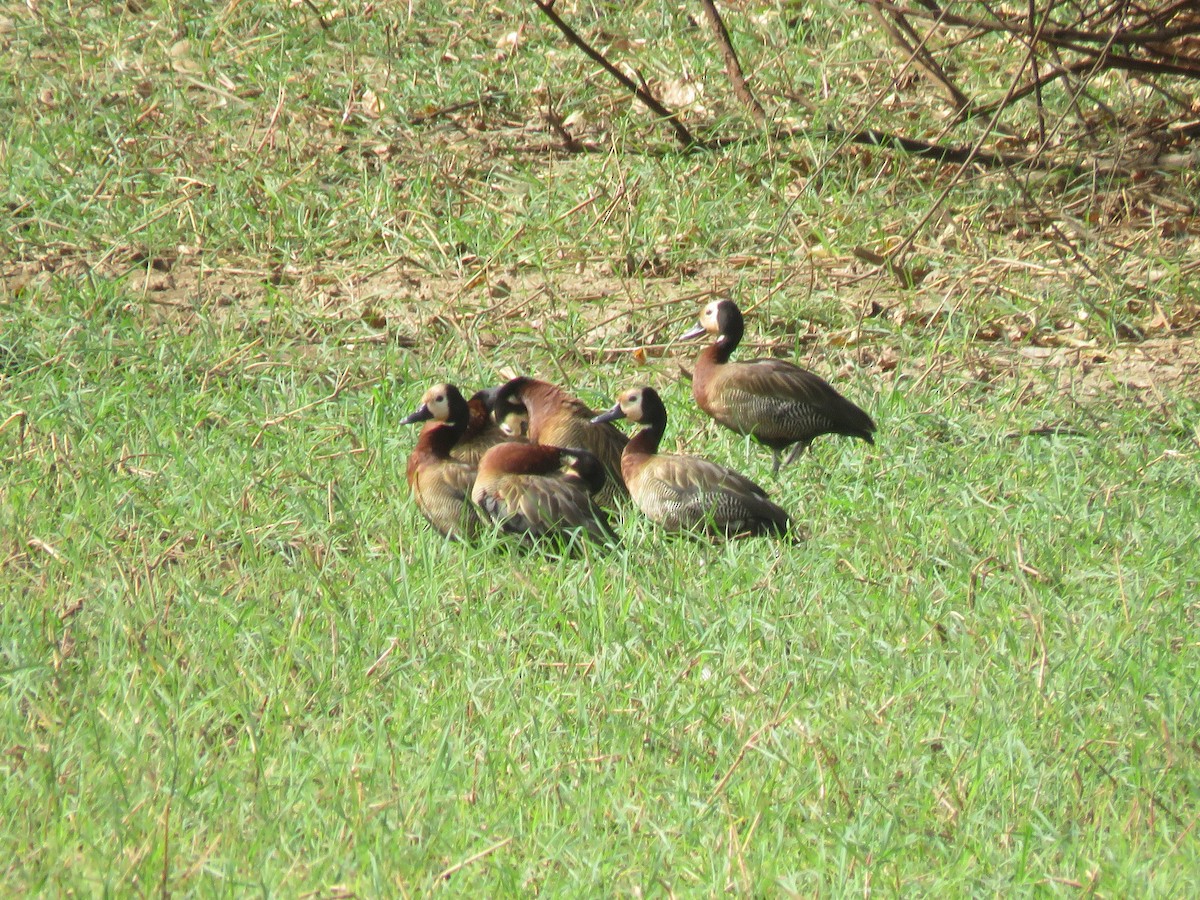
x,y
538,492
685,493
440,484
774,401
557,419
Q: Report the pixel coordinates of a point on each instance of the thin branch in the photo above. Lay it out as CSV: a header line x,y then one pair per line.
x,y
895,255
487,851
1019,27
959,155
1085,65
733,68
774,723
1187,68
898,29
317,13
1154,798
1033,70
343,383
681,133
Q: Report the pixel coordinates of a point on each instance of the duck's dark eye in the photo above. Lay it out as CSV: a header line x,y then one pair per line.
x,y
440,399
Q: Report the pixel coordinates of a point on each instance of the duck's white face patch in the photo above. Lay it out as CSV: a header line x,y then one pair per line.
x,y
631,405
437,401
515,424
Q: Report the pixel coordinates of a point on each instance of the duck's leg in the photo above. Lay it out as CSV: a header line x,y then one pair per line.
x,y
797,452
775,462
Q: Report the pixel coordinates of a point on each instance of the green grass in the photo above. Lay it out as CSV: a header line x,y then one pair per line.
x,y
234,658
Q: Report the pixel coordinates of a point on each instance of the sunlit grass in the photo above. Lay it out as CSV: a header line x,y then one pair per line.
x,y
234,655
235,659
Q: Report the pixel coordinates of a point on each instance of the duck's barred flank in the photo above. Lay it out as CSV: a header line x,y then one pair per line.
x,y
467,470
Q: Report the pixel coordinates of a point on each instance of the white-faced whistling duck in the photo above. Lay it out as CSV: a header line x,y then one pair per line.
x,y
685,493
483,432
557,419
774,401
542,492
440,484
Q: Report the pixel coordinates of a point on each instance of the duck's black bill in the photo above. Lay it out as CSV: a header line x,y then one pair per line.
x,y
611,416
422,414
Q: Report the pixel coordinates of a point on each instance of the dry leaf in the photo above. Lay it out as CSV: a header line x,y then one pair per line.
x,y
181,58
508,44
682,93
370,104
373,318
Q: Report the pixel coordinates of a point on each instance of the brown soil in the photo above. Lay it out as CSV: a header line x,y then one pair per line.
x,y
640,312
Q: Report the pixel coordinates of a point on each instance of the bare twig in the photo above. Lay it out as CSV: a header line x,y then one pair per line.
x,y
733,68
1154,798
485,99
1036,84
682,135
342,384
20,416
775,721
903,36
960,155
1033,69
317,13
382,657
474,858
269,135
1144,42
896,254
1051,34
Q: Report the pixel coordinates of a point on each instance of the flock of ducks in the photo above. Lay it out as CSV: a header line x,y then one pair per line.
x,y
530,459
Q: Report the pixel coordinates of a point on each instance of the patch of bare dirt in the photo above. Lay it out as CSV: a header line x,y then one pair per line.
x,y
629,307
1148,370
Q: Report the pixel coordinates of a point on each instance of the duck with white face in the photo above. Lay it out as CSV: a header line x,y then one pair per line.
x,y
558,419
773,401
484,432
686,493
440,484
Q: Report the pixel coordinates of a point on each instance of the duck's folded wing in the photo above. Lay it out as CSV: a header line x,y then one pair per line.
x,y
773,398
690,492
553,505
443,494
689,476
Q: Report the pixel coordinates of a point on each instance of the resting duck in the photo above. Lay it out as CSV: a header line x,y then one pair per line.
x,y
557,419
685,493
542,492
440,484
